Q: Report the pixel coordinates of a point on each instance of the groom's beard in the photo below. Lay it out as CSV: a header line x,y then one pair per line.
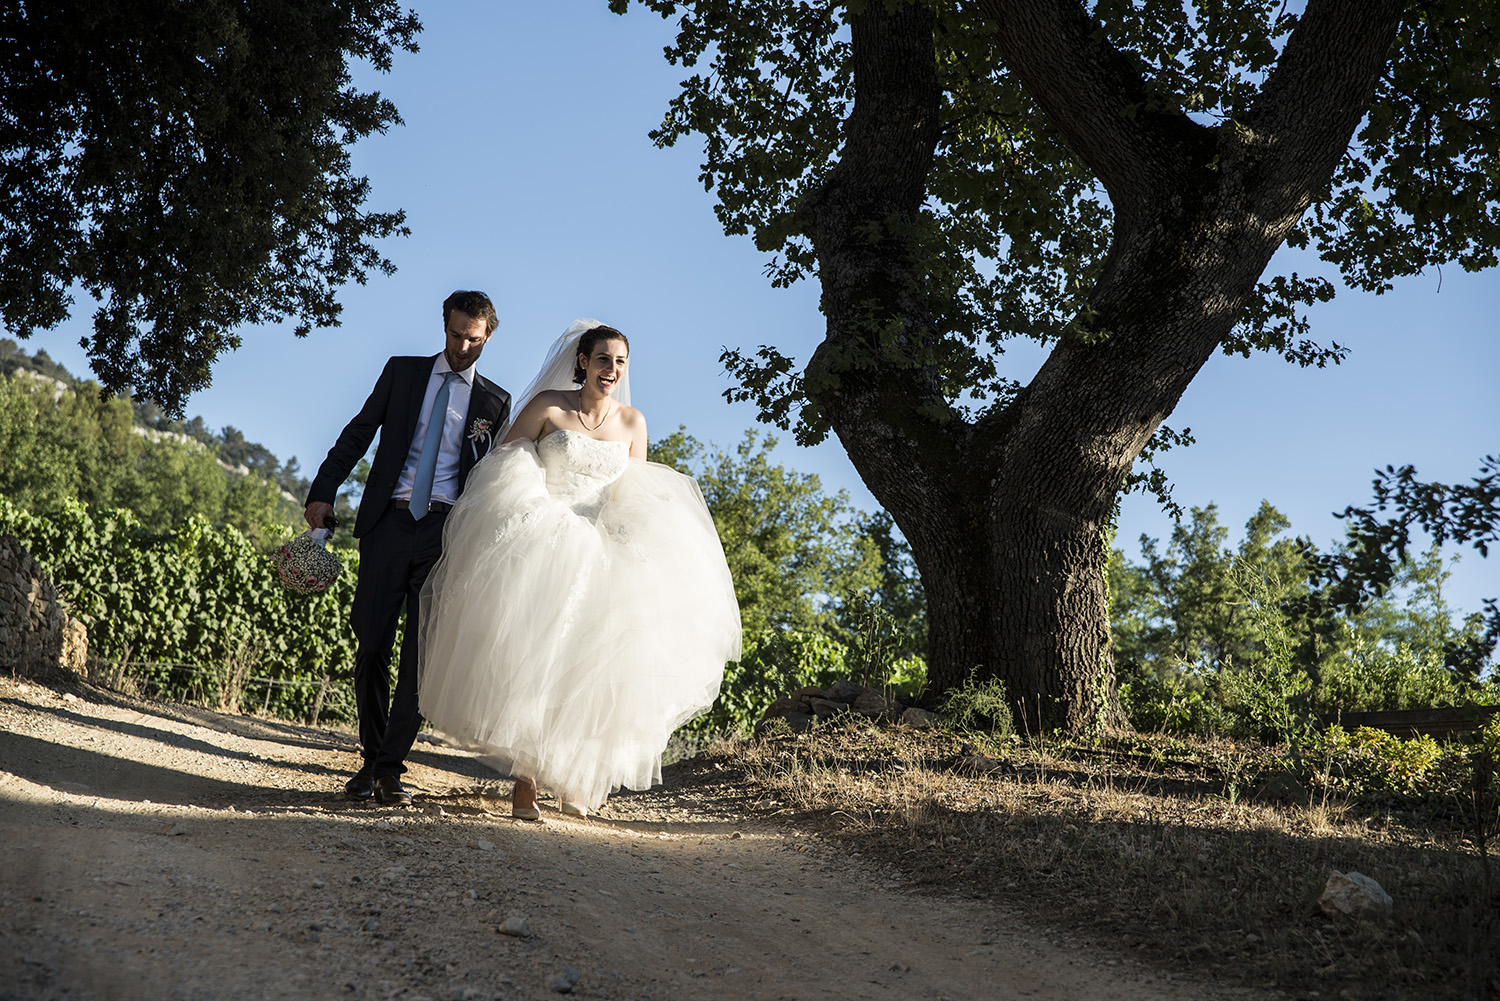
x,y
459,363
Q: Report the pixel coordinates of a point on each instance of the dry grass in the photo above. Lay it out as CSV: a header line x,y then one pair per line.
x,y
1171,852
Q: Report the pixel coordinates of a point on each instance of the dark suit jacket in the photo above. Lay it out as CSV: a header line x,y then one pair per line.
x,y
395,404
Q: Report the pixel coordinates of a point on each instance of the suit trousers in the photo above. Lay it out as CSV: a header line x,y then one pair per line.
x,y
395,557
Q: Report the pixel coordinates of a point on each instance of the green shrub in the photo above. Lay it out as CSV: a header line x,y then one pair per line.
x,y
773,665
1364,761
909,675
1265,701
1374,677
1175,704
978,707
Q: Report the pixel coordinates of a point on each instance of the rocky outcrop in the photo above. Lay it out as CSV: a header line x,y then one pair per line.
x,y
38,638
801,708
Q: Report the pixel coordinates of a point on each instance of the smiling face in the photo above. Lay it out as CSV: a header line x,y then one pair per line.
x,y
604,365
467,336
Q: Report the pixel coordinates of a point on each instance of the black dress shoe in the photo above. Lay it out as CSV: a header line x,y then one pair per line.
x,y
388,790
362,786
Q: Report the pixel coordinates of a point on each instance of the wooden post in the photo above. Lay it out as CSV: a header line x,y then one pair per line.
x,y
317,709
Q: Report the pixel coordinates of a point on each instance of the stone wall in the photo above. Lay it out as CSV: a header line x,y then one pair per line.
x,y
38,638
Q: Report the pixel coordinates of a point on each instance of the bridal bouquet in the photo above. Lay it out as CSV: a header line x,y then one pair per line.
x,y
304,565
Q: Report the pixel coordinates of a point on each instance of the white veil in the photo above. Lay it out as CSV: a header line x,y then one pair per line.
x,y
557,371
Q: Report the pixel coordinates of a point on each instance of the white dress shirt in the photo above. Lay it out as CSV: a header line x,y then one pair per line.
x,y
445,478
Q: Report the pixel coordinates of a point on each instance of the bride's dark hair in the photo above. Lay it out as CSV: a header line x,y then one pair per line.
x,y
593,336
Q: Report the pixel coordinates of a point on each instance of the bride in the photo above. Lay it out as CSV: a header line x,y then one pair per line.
x,y
582,609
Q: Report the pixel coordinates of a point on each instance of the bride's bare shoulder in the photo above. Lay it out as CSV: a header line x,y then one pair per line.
x,y
554,397
538,416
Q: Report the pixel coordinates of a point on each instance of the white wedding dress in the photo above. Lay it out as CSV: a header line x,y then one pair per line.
x,y
581,612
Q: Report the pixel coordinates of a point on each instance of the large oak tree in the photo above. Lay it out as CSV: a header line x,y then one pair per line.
x,y
185,162
1109,179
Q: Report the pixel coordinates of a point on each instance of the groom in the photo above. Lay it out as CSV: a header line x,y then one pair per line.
x,y
437,418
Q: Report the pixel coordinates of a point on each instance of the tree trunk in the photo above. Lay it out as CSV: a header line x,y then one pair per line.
x,y
1007,516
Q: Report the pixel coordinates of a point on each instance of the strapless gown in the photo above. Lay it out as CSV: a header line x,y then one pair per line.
x,y
581,612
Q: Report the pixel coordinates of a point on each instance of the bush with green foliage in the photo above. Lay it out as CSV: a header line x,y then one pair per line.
x,y
1372,764
1369,676
190,600
1181,608
773,665
824,591
978,707
908,675
1177,703
799,557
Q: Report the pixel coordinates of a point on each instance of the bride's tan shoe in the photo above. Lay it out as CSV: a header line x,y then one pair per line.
x,y
572,807
523,800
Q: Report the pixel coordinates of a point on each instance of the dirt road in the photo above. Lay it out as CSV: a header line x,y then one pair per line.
x,y
164,851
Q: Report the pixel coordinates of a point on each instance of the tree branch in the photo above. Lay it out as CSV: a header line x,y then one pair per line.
x,y
862,219
1096,97
894,122
874,377
1314,99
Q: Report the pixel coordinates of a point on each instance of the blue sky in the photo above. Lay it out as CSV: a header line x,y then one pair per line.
x,y
525,171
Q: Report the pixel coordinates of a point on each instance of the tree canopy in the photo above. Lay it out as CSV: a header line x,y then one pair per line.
x,y
1109,179
1018,218
187,165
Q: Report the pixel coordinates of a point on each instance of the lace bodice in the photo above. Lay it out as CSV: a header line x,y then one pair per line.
x,y
580,469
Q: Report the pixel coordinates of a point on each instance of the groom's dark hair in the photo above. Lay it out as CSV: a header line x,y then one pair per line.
x,y
593,336
475,304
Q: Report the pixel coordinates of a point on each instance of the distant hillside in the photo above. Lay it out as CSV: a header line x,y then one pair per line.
x,y
230,447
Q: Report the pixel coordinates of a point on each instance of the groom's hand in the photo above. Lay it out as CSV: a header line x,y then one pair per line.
x,y
317,512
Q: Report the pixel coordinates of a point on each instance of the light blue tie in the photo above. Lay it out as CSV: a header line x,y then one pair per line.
x,y
421,488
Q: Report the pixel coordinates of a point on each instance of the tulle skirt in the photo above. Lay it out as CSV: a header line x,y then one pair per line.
x,y
569,643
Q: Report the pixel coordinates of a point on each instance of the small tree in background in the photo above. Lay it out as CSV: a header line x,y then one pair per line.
x,y
1216,639
799,557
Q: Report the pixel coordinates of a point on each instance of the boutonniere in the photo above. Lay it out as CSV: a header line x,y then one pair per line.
x,y
479,431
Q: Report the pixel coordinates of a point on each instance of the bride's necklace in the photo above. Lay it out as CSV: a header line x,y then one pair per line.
x,y
586,423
